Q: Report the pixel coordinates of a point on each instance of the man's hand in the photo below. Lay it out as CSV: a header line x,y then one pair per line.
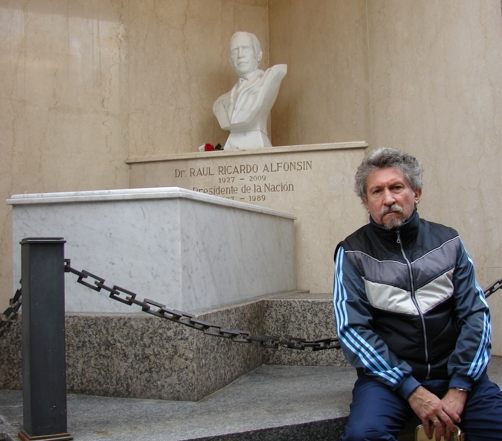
x,y
435,413
454,403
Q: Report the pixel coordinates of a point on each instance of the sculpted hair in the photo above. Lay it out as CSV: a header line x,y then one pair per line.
x,y
386,157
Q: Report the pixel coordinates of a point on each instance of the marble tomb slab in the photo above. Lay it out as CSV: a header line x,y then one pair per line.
x,y
187,250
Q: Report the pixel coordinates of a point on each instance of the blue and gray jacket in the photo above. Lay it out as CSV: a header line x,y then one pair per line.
x,y
408,307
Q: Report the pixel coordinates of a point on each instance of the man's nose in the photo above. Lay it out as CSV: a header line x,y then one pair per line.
x,y
388,197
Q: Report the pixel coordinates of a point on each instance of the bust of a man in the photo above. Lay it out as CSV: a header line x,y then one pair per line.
x,y
244,110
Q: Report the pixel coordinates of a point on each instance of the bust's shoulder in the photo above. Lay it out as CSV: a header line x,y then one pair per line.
x,y
223,99
277,70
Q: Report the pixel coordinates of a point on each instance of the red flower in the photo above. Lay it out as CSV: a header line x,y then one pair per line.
x,y
208,147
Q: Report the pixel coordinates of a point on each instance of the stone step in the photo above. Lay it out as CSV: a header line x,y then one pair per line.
x,y
140,377
307,403
268,403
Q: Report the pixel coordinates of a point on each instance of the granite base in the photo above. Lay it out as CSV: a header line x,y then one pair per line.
x,y
140,356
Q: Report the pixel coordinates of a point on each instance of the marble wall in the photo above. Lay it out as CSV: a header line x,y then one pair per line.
x,y
62,119
179,64
85,83
423,76
436,91
88,83
325,94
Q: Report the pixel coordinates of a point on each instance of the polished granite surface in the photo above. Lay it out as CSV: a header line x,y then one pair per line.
x,y
269,403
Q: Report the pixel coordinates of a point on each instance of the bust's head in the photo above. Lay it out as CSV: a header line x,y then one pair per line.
x,y
245,52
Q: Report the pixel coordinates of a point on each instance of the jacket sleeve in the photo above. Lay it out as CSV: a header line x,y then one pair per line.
x,y
362,346
470,358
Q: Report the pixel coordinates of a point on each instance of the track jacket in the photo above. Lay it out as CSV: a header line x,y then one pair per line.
x,y
408,307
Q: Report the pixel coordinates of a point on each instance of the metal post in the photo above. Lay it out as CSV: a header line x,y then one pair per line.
x,y
43,326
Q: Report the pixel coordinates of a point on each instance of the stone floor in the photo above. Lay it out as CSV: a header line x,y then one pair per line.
x,y
270,403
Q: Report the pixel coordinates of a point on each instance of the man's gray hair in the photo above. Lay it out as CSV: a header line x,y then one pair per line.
x,y
386,157
254,41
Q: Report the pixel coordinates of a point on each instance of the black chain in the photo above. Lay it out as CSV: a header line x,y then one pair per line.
x,y
159,310
495,286
11,313
127,297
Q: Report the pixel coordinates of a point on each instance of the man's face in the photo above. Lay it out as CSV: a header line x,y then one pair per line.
x,y
242,55
390,200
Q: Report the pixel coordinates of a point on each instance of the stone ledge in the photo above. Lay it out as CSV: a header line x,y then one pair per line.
x,y
141,356
264,151
311,431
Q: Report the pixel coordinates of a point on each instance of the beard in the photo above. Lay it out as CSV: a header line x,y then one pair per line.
x,y
395,220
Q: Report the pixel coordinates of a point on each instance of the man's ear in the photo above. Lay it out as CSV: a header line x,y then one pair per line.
x,y
418,195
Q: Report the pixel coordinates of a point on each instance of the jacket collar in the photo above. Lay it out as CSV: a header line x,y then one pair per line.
x,y
408,231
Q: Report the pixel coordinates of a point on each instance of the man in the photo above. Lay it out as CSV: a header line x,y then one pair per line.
x,y
245,109
410,315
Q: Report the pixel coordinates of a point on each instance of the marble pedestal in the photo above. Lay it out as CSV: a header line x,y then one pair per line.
x,y
187,250
313,182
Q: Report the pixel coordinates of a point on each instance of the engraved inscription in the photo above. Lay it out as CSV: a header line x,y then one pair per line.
x,y
247,182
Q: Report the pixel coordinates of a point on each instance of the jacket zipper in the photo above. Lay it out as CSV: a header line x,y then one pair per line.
x,y
414,300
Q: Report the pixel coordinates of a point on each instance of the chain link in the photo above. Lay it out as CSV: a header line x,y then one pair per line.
x,y
152,307
237,335
156,309
11,313
495,286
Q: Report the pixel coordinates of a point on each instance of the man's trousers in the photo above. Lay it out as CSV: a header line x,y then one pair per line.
x,y
378,413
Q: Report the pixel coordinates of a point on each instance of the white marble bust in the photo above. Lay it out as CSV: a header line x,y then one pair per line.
x,y
244,110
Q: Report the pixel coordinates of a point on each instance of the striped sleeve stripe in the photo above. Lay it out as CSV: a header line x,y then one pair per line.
x,y
482,357
353,341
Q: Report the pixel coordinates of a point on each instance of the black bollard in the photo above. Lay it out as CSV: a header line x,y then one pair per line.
x,y
43,329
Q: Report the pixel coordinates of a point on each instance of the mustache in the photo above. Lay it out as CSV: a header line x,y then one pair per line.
x,y
394,208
